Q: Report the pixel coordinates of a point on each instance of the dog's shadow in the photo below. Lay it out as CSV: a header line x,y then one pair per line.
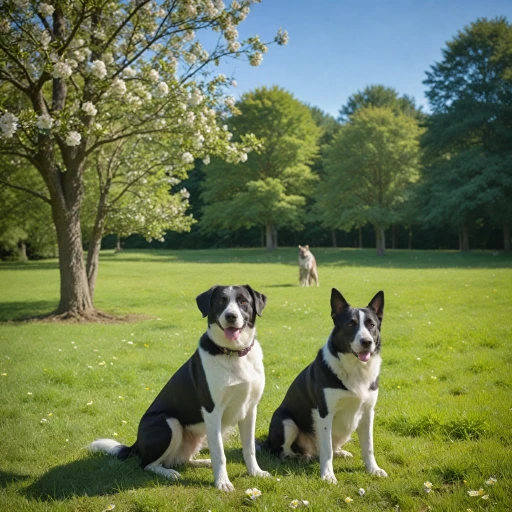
x,y
97,475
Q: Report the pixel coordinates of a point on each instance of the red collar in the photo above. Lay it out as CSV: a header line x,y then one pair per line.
x,y
240,353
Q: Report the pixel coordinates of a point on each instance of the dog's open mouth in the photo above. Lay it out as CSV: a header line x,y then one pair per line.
x,y
363,356
233,333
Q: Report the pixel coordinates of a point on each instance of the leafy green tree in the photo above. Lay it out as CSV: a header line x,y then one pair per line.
x,y
270,188
469,138
369,167
80,76
380,96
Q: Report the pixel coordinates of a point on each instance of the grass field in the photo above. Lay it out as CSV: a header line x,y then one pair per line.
x,y
444,413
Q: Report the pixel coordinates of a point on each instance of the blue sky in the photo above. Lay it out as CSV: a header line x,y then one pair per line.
x,y
339,46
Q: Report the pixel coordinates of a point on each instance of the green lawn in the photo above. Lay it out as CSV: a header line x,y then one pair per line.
x,y
444,414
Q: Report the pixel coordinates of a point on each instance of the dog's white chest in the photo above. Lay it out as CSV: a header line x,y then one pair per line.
x,y
236,383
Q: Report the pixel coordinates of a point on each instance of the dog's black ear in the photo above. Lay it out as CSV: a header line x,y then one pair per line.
x,y
260,300
377,304
338,303
203,300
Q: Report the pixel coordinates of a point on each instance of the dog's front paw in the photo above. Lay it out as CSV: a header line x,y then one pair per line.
x,y
260,473
342,453
330,478
224,485
377,472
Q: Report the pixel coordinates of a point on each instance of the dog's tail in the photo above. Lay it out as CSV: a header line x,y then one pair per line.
x,y
111,447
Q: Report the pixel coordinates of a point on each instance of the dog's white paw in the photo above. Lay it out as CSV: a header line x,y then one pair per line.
x,y
260,473
342,453
330,478
171,474
377,472
224,485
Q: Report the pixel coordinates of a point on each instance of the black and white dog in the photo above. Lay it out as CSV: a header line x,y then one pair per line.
x,y
218,387
336,394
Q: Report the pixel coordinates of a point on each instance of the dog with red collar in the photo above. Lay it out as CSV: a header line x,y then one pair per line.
x,y
219,387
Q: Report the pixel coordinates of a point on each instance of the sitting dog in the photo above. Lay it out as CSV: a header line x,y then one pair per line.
x,y
308,271
218,387
336,394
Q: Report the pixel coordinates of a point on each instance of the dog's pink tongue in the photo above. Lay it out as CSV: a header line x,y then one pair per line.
x,y
232,333
364,356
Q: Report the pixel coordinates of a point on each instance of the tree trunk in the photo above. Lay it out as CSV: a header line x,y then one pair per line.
x,y
360,237
262,236
22,246
270,236
393,237
506,237
118,244
409,244
334,241
464,238
380,240
93,252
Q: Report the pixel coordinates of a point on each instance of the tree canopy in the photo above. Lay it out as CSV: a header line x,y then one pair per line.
x,y
270,188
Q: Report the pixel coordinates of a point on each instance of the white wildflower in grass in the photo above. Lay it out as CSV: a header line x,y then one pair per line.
x,y
348,499
427,486
491,481
153,75
361,492
298,503
89,403
98,69
8,124
476,493
282,37
29,393
118,87
485,497
44,420
45,39
73,138
162,89
253,493
4,374
187,158
46,9
89,108
102,363
256,59
110,507
62,70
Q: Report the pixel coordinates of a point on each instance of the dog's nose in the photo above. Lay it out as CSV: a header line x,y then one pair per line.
x,y
230,317
366,342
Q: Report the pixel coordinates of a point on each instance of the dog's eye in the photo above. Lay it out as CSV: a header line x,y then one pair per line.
x,y
223,300
371,325
242,302
351,323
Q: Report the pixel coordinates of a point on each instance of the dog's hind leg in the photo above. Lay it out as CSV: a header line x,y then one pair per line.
x,y
200,463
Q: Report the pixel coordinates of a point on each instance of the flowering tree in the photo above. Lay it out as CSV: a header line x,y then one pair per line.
x,y
81,76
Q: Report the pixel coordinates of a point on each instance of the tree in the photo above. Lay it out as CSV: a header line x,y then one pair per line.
x,y
380,96
469,138
371,163
270,188
80,76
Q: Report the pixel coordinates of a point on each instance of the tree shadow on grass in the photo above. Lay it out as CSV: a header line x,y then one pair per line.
x,y
96,475
7,478
23,311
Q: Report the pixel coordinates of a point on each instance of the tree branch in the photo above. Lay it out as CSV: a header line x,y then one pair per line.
x,y
27,190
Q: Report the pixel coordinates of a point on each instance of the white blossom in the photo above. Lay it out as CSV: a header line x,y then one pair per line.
x,y
234,46
44,122
22,4
98,69
45,39
8,124
188,36
89,108
255,59
107,58
154,76
195,97
234,83
206,160
162,89
129,72
62,70
282,37
118,87
46,9
73,138
229,101
187,158
243,157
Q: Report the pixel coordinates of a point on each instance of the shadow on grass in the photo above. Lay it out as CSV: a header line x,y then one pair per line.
x,y
25,310
97,475
7,478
